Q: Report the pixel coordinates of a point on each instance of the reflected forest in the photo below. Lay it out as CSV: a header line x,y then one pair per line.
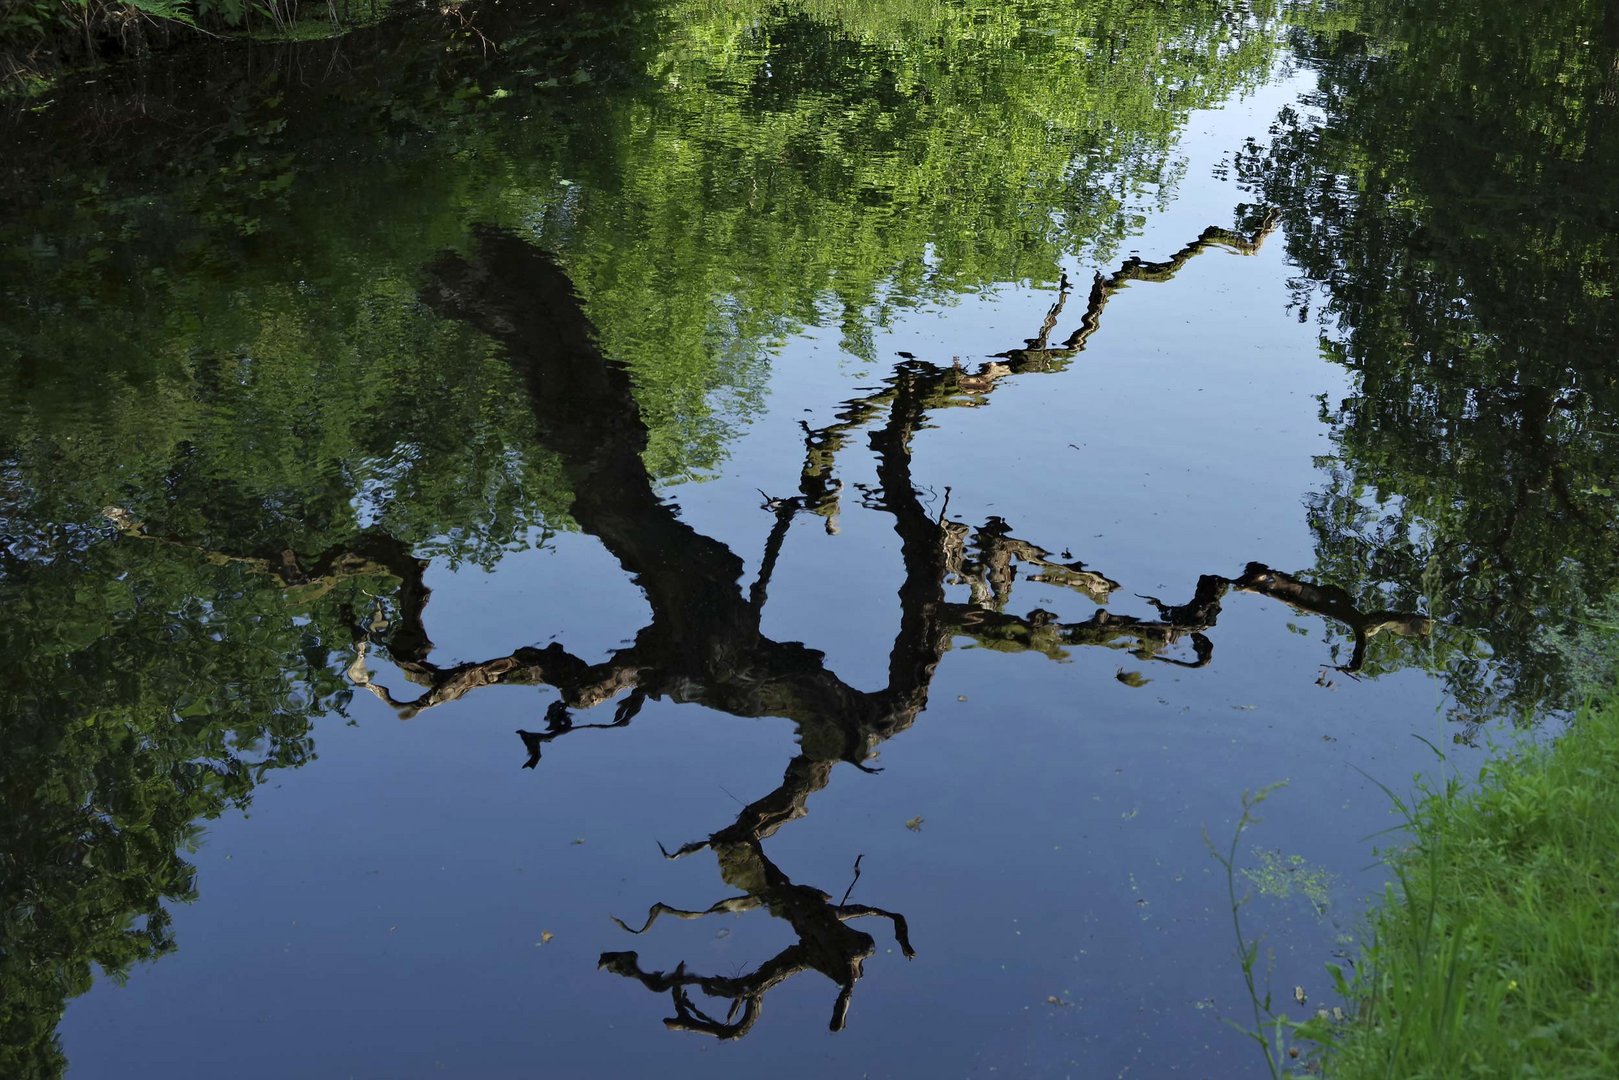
x,y
302,330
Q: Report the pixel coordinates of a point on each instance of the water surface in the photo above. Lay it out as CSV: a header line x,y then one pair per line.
x,y
710,523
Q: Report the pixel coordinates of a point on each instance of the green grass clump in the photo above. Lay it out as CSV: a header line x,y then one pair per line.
x,y
1498,953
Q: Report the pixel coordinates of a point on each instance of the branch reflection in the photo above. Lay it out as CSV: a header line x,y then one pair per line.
x,y
825,942
704,643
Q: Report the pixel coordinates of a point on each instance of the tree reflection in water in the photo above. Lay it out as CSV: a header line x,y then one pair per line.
x,y
704,644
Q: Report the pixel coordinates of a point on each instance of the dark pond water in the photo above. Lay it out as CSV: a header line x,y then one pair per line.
x,y
828,482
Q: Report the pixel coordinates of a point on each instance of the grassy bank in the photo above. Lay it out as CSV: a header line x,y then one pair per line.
x,y
1498,952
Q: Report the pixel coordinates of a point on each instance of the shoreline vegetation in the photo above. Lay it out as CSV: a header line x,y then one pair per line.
x,y
1496,950
41,39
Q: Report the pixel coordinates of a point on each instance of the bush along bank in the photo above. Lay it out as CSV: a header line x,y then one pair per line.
x,y
40,37
1496,950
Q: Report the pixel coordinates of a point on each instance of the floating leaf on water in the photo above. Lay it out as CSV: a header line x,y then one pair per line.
x,y
545,938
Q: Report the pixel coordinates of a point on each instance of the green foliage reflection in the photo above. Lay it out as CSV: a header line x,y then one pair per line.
x,y
1455,212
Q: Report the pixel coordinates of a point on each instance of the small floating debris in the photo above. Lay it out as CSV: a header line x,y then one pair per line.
x,y
915,824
